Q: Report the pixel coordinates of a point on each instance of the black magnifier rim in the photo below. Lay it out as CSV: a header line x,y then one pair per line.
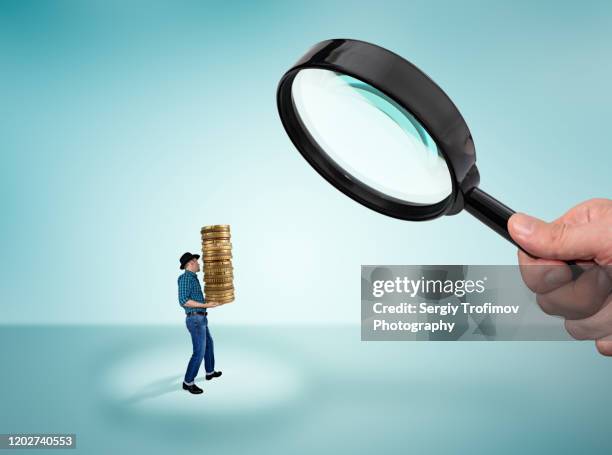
x,y
411,89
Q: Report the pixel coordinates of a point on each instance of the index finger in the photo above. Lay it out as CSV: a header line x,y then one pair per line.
x,y
543,275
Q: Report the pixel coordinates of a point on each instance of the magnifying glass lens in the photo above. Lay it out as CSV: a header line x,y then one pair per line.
x,y
371,137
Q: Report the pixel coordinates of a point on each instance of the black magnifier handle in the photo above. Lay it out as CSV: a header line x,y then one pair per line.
x,y
494,214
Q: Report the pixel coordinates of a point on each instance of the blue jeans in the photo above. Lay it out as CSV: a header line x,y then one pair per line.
x,y
197,324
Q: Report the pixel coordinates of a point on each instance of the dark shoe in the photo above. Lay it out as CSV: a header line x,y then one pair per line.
x,y
192,388
214,374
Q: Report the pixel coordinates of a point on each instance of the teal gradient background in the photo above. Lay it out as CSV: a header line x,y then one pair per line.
x,y
126,126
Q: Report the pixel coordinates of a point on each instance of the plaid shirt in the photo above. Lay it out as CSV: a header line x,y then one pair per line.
x,y
189,289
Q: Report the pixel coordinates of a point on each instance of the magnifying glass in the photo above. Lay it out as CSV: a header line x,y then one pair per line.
x,y
382,132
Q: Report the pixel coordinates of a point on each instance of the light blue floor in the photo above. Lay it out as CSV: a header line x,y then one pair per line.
x,y
303,390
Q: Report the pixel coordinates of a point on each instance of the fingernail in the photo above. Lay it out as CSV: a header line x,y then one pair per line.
x,y
524,224
555,277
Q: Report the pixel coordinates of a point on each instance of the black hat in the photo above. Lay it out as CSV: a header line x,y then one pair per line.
x,y
186,257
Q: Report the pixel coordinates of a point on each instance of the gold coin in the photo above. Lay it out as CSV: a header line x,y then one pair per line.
x,y
219,285
206,248
216,257
227,288
218,296
213,248
223,282
217,231
216,244
216,235
215,227
228,278
227,297
218,272
216,239
221,270
221,292
212,240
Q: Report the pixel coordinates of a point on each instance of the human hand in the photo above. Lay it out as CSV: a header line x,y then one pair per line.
x,y
583,234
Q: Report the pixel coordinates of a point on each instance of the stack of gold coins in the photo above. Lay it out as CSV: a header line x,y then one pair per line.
x,y
218,269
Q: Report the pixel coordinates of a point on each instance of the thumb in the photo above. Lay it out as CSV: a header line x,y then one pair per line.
x,y
555,240
604,347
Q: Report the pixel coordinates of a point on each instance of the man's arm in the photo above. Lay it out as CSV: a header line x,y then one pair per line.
x,y
184,293
193,304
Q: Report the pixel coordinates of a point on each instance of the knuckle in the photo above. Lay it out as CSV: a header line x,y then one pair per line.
x,y
558,233
546,305
586,307
577,331
596,201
